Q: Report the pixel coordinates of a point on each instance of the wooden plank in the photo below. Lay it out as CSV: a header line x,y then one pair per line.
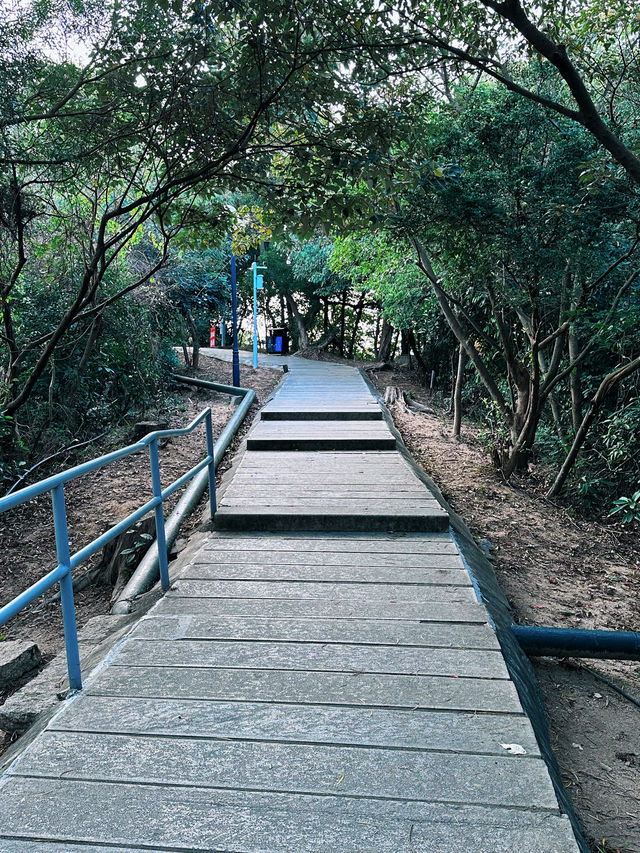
x,y
208,821
274,569
400,544
332,442
323,609
315,412
345,591
303,491
376,727
295,505
317,486
392,632
310,688
370,502
335,657
292,768
340,565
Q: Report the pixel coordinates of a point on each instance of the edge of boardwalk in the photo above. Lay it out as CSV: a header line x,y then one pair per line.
x,y
491,595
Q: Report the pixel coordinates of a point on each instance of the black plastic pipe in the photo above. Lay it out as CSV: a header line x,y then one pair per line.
x,y
147,572
574,643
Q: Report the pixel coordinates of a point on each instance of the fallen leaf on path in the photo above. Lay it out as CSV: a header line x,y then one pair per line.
x,y
514,748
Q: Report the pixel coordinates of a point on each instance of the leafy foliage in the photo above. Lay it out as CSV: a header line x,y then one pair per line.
x,y
444,177
629,507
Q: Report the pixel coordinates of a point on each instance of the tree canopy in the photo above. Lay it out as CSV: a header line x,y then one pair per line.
x,y
457,180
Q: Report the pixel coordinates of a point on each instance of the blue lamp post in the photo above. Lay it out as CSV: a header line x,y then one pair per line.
x,y
234,315
258,283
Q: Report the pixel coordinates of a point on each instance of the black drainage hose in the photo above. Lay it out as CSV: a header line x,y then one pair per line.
x,y
575,643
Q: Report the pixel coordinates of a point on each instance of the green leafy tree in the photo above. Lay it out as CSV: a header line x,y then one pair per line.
x,y
165,104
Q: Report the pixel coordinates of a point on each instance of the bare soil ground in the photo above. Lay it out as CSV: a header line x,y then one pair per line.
x,y
562,571
98,500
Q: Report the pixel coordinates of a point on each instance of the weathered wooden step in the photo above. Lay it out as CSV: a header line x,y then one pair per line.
x,y
340,517
289,413
321,435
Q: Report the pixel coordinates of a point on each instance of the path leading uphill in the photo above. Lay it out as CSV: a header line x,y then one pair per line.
x,y
320,678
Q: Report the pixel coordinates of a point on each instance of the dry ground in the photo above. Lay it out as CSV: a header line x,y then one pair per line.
x,y
560,571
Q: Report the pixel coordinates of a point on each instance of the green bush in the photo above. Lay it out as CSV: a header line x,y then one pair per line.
x,y
629,507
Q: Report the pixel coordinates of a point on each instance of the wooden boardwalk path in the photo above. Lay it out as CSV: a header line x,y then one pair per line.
x,y
320,679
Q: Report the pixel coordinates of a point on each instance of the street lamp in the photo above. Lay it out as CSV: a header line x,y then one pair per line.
x,y
258,283
234,315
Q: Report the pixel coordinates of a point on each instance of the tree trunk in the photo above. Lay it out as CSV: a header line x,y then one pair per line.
x,y
94,334
395,344
457,394
245,309
270,315
607,385
454,362
413,345
342,321
356,323
195,343
575,383
303,340
386,334
553,399
394,395
525,420
292,326
9,334
303,323
490,384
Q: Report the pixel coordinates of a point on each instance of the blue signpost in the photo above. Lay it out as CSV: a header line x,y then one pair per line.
x,y
234,320
258,283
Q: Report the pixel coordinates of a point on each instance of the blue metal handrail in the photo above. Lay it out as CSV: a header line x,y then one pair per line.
x,y
67,562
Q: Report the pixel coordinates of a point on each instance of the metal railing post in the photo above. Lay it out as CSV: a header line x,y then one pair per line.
x,y
55,485
212,465
156,485
66,588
